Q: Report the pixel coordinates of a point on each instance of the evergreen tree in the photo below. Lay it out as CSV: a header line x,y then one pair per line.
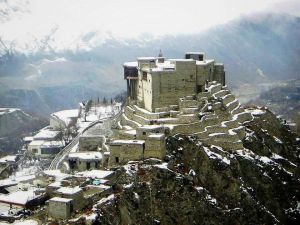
x,y
104,100
88,106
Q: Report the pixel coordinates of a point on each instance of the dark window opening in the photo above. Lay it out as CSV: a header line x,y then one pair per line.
x,y
187,56
144,133
199,88
145,76
88,165
191,76
117,159
200,57
50,150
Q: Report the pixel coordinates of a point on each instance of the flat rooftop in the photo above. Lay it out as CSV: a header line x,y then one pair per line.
x,y
57,199
146,58
205,62
99,174
195,53
46,133
68,190
127,142
86,155
130,64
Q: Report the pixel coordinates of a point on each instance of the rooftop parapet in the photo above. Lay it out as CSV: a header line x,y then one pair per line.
x,y
199,56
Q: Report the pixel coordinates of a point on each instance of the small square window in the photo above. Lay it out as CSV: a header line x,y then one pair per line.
x,y
144,133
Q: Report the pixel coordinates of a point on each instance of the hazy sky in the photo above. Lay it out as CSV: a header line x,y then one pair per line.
x,y
131,17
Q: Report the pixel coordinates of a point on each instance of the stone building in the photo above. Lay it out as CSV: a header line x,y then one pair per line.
x,y
166,97
73,193
81,161
155,82
60,208
88,155
46,143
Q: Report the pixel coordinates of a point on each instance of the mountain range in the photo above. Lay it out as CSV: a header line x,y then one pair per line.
x,y
46,75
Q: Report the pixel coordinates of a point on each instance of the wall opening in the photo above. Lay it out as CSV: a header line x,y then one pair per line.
x,y
199,88
144,75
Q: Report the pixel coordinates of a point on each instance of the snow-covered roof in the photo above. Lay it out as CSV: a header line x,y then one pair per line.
x,y
99,174
53,144
55,184
46,133
28,139
8,158
36,143
56,173
182,60
205,62
57,199
86,155
68,190
195,53
130,64
146,58
25,178
156,136
127,142
132,132
7,182
66,115
19,197
43,143
151,127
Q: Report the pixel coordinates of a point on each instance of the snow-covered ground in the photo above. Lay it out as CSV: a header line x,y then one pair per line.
x,y
97,113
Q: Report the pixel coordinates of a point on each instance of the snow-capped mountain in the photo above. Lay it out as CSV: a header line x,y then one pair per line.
x,y
259,51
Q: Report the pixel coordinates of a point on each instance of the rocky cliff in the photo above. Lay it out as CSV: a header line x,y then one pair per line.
x,y
200,184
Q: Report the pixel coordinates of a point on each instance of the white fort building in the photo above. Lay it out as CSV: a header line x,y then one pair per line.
x,y
166,97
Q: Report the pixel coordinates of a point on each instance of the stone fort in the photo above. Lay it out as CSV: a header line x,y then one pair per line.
x,y
166,97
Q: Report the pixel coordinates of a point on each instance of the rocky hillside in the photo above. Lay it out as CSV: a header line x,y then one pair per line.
x,y
15,124
283,100
200,184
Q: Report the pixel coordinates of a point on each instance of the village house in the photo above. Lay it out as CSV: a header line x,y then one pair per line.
x,y
46,143
74,193
60,208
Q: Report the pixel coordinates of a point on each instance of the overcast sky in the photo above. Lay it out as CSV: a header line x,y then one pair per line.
x,y
131,17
